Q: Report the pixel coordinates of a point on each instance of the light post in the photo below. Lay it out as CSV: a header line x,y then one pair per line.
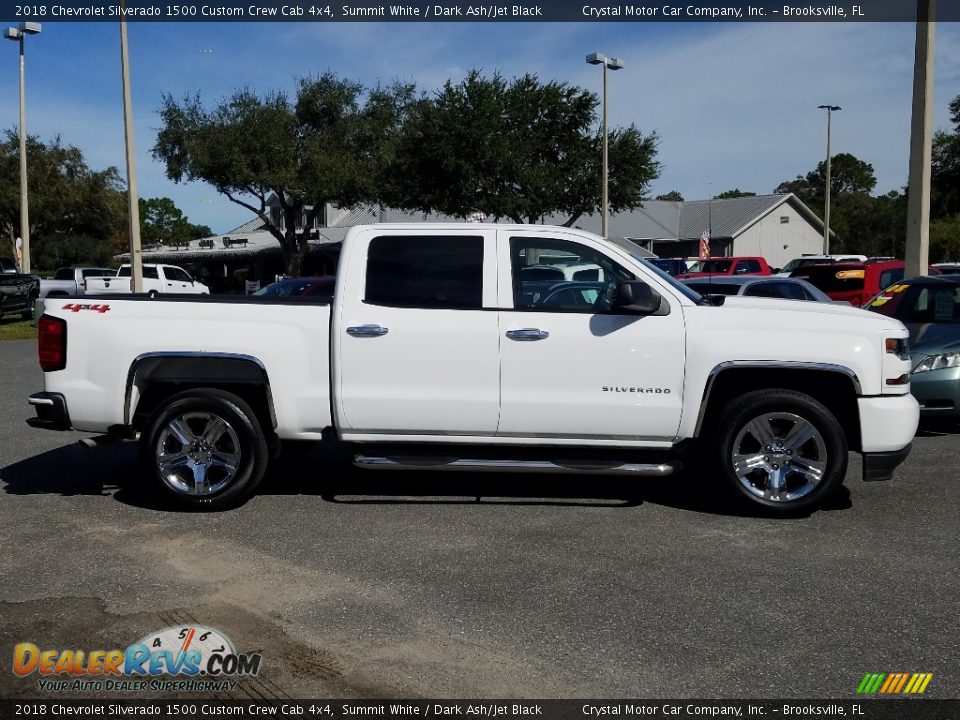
x,y
612,64
18,34
826,208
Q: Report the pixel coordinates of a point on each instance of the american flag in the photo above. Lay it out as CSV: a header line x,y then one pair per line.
x,y
705,245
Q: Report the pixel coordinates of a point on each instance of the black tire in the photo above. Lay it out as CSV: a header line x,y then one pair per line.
x,y
210,429
791,451
152,294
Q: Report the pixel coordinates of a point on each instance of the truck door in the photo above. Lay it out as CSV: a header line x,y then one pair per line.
x,y
570,367
415,337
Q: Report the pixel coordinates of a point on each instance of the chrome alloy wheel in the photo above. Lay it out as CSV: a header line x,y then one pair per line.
x,y
779,457
198,454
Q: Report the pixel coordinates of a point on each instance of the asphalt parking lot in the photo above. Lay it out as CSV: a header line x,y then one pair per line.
x,y
353,584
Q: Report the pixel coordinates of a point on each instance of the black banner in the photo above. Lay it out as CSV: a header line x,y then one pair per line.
x,y
866,709
314,11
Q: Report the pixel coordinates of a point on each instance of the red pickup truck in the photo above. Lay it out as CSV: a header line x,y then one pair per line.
x,y
728,266
855,282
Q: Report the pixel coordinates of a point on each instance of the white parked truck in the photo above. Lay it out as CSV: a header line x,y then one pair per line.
x,y
157,280
454,346
68,281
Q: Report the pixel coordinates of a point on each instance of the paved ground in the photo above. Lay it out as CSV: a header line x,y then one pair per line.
x,y
445,585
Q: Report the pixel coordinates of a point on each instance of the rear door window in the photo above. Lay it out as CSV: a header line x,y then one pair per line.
x,y
432,272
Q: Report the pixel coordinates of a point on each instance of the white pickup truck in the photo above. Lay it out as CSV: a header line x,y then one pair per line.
x,y
466,347
157,280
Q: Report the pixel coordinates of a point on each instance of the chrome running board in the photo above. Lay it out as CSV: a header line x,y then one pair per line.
x,y
532,466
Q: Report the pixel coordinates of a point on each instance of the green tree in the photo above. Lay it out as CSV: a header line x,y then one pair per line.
x,y
162,222
521,149
324,146
945,168
735,193
672,196
76,213
861,223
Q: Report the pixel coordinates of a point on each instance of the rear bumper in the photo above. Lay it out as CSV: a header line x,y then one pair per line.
x,y
880,466
51,411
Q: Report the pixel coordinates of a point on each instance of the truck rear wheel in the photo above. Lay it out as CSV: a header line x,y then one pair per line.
x,y
782,450
205,448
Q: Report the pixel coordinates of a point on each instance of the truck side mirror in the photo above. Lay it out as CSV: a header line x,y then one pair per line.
x,y
637,297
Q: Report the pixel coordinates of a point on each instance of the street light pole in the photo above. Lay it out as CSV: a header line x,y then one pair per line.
x,y
612,64
826,208
18,34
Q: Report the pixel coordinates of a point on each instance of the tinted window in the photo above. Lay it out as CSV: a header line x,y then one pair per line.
x,y
789,291
64,274
176,274
924,303
747,266
833,278
96,272
711,266
539,280
149,273
889,277
425,272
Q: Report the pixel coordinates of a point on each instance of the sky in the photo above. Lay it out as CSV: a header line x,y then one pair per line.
x,y
734,105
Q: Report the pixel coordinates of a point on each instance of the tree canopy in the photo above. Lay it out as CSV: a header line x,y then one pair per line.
x,y
162,222
735,193
76,214
520,149
672,196
326,145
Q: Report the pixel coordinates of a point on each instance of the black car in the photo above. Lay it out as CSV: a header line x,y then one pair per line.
x,y
17,291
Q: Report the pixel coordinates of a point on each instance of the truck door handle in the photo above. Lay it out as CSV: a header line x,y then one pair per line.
x,y
367,331
528,334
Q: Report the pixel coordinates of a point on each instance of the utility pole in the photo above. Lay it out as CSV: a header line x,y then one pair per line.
x,y
826,207
917,255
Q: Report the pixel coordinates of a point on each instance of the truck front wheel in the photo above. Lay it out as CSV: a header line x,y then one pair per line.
x,y
781,449
205,448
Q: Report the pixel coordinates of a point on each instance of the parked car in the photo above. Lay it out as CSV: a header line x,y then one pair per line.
x,y
432,356
728,266
759,286
671,266
157,280
947,268
68,281
320,286
930,308
17,293
805,260
7,266
855,282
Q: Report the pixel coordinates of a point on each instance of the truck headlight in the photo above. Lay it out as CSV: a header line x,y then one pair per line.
x,y
938,362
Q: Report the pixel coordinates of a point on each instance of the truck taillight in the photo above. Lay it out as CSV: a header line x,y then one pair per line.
x,y
84,284
52,343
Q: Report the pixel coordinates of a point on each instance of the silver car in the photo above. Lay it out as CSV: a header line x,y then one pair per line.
x,y
770,286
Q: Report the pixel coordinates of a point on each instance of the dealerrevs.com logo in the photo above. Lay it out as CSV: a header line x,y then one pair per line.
x,y
185,653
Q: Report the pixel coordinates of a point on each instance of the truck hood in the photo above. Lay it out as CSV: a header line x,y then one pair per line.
x,y
803,308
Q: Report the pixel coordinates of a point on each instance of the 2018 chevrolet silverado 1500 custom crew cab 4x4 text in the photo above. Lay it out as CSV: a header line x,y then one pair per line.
x,y
445,346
